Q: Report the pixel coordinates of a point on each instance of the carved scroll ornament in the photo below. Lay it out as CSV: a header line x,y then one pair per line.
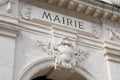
x,y
64,53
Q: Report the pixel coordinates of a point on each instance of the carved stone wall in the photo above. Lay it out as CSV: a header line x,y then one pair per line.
x,y
30,44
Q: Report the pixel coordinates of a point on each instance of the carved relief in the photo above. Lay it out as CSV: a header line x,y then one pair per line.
x,y
9,6
95,31
64,53
45,47
82,55
25,13
114,34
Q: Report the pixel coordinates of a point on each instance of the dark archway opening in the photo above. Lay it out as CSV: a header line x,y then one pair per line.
x,y
56,74
42,78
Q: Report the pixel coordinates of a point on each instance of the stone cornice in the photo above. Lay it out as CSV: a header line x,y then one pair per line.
x,y
112,55
93,8
111,51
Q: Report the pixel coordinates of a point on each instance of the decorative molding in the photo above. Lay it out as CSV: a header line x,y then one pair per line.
x,y
97,9
112,55
45,63
25,13
9,33
64,53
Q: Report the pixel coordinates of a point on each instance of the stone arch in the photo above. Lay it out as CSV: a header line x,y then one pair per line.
x,y
40,64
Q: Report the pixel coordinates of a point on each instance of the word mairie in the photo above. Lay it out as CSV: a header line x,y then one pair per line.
x,y
62,20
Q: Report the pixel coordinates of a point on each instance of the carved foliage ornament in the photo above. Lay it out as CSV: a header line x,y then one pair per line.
x,y
64,53
25,13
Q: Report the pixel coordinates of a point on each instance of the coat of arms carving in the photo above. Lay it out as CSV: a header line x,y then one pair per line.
x,y
65,55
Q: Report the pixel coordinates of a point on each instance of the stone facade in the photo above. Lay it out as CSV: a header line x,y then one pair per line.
x,y
38,37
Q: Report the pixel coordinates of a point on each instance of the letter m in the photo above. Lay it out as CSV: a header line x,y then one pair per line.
x,y
47,16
